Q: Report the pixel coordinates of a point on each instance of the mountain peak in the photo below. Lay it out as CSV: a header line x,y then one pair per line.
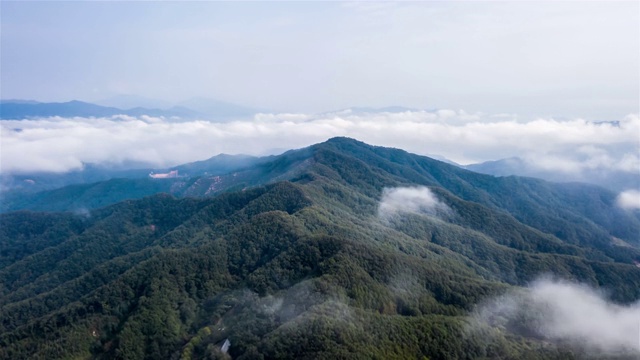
x,y
343,140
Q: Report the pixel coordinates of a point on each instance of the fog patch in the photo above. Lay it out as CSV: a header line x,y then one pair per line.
x,y
82,212
404,283
292,305
269,304
399,201
565,313
629,200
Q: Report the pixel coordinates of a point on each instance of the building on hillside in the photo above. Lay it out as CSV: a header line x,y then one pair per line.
x,y
225,346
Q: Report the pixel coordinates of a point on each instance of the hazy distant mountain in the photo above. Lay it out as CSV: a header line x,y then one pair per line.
x,y
219,164
22,110
358,110
90,173
197,108
18,101
220,110
613,180
28,110
175,111
443,159
134,101
24,185
210,109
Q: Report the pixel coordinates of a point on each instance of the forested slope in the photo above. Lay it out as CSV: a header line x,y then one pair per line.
x,y
305,267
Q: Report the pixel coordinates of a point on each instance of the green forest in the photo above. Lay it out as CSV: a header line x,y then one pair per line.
x,y
289,259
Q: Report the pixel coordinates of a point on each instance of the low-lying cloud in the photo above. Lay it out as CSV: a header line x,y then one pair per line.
x,y
629,200
62,144
410,200
567,313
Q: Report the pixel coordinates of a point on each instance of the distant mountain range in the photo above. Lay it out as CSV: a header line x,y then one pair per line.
x,y
26,110
200,108
613,180
132,101
30,183
358,110
214,110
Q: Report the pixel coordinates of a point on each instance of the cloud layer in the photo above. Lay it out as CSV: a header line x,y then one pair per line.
x,y
570,313
414,200
61,144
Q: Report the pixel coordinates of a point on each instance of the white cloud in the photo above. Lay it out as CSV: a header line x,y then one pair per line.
x,y
416,200
629,199
61,144
569,313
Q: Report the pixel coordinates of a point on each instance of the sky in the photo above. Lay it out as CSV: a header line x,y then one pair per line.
x,y
535,59
488,80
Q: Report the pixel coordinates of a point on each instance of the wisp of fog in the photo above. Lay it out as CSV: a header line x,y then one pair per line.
x,y
570,313
410,200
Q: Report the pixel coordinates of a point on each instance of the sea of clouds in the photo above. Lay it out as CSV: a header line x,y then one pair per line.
x,y
61,144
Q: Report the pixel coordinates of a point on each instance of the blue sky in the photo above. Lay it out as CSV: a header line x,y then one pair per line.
x,y
566,59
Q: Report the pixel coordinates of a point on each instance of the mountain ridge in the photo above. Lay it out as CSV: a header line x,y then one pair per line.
x,y
21,184
370,166
197,108
615,180
76,108
289,258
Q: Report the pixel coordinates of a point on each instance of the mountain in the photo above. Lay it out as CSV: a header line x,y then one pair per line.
x,y
30,183
26,110
196,108
80,197
614,180
220,110
18,101
219,164
25,185
292,257
22,110
133,101
525,198
362,110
